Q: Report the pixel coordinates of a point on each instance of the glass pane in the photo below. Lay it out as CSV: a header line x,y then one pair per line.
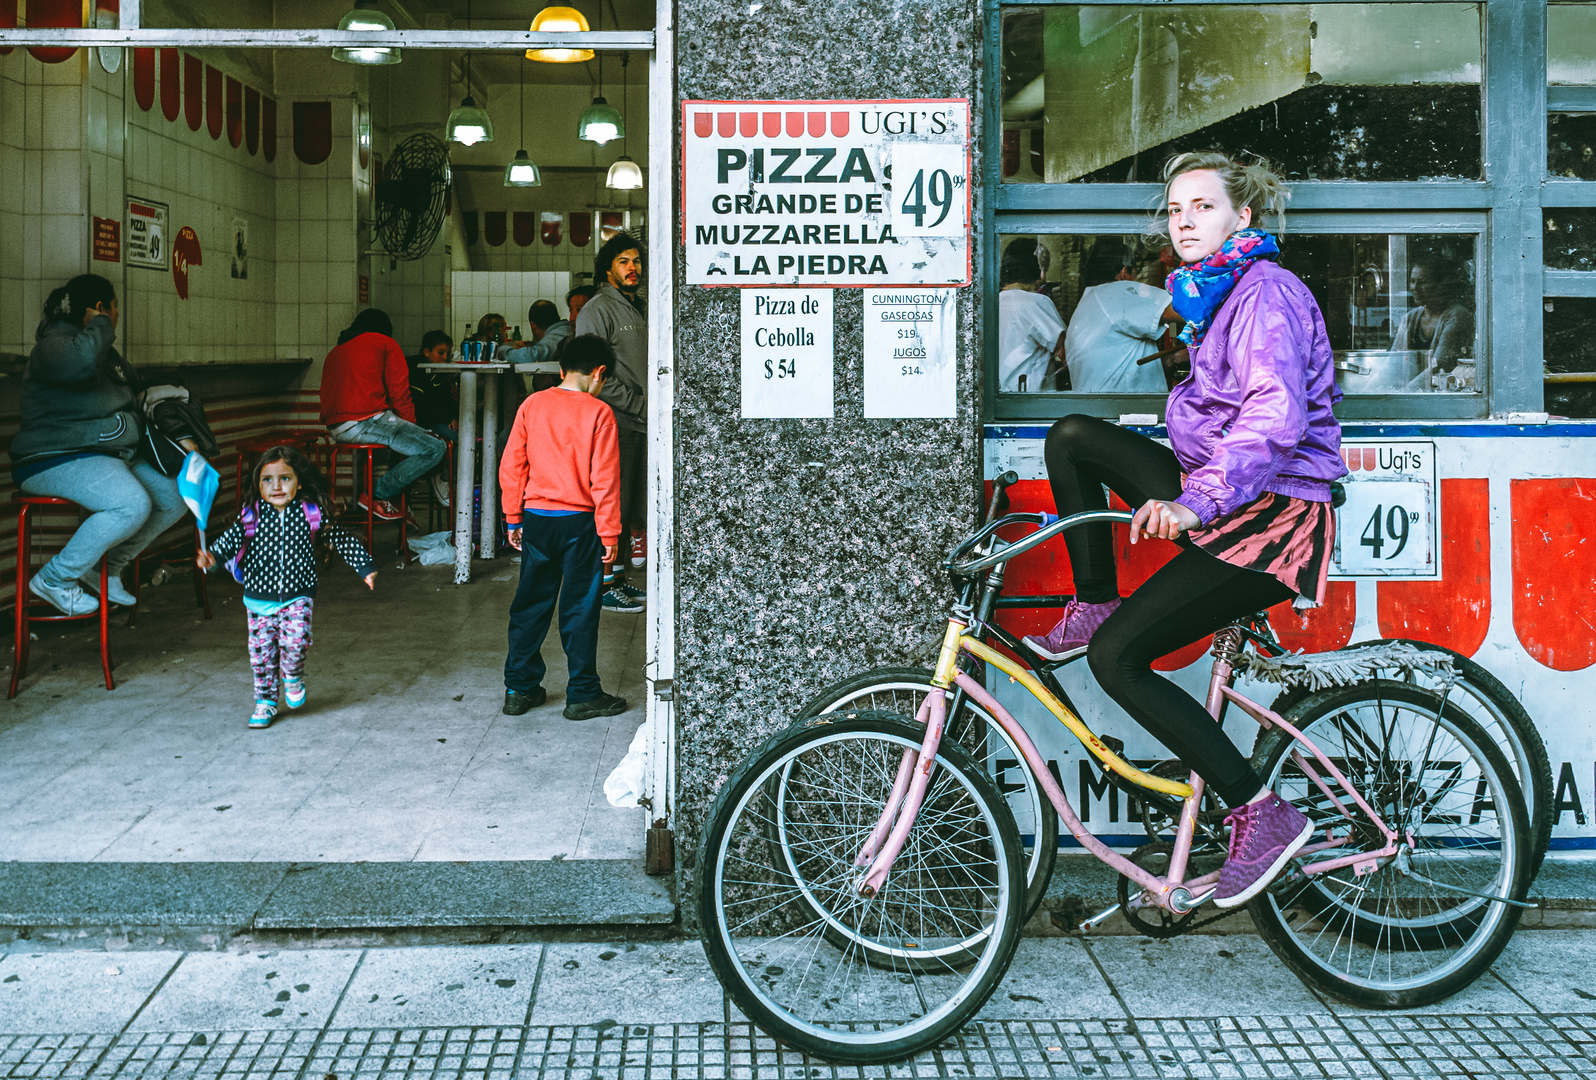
x,y
1571,44
1398,307
1569,242
1333,92
1570,328
1571,145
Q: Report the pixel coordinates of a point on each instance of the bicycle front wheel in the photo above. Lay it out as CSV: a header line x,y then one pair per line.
x,y
1429,921
803,954
901,690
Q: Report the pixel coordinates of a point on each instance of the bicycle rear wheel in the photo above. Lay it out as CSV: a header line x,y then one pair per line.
x,y
805,956
1421,926
1481,695
901,690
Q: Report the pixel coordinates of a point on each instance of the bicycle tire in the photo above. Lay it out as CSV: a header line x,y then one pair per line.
x,y
900,690
1505,718
765,941
1385,939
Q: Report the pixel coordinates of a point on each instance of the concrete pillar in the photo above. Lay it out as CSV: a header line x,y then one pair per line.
x,y
806,550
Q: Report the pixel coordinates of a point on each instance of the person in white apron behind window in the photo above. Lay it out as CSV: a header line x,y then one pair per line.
x,y
1030,332
1117,322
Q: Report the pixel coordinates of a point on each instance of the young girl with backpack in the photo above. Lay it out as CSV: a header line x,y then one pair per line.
x,y
271,549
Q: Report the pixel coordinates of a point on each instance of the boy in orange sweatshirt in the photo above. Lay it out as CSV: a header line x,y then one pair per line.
x,y
560,479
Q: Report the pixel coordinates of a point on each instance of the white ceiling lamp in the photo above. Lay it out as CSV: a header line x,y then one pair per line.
x,y
600,122
624,175
559,20
522,170
469,123
366,21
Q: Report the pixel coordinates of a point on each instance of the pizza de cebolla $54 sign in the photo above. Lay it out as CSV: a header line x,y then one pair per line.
x,y
826,193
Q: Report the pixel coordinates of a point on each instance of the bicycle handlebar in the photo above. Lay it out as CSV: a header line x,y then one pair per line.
x,y
1049,529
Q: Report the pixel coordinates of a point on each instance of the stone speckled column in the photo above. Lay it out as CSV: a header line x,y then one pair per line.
x,y
806,550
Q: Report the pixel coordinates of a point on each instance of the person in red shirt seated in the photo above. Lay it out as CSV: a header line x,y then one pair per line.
x,y
365,398
561,480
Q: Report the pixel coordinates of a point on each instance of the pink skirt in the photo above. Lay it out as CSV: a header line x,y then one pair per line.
x,y
1287,538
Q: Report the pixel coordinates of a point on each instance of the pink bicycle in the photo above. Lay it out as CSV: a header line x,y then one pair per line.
x,y
862,884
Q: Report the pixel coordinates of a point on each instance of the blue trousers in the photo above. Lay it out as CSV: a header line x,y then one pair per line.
x,y
560,556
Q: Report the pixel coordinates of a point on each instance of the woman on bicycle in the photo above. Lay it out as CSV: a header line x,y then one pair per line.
x,y
1244,489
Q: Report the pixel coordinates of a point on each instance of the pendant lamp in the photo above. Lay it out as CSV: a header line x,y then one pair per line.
x,y
366,20
469,123
522,170
559,20
600,122
624,175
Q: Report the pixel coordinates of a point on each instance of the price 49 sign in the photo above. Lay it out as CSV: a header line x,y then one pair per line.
x,y
1387,526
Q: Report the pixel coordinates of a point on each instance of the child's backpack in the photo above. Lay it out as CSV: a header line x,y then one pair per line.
x,y
247,518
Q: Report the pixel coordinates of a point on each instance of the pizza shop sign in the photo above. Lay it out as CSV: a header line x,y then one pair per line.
x,y
826,193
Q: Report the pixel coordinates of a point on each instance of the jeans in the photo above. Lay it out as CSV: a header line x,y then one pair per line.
x,y
559,556
130,503
419,450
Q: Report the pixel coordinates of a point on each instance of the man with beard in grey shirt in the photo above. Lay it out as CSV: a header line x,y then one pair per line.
x,y
616,313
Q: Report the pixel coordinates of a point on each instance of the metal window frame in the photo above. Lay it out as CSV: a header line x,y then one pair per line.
x,y
1509,199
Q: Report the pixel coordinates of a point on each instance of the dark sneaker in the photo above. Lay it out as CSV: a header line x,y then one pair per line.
x,y
516,703
616,600
603,705
1263,837
1074,630
631,592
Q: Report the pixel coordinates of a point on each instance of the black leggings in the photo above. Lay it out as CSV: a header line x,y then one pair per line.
x,y
1191,596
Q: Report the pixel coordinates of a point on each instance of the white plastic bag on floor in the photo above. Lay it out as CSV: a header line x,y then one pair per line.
x,y
624,786
432,549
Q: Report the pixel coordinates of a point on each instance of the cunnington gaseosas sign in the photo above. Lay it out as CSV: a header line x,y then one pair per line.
x,y
826,193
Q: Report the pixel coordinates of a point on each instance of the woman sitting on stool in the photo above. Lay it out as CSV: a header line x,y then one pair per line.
x,y
77,440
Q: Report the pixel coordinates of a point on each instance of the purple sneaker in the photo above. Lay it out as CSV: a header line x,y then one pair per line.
x,y
1074,630
1263,837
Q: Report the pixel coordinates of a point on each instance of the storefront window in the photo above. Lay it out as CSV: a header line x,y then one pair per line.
x,y
1571,145
1077,312
1570,239
1569,326
1325,91
1571,45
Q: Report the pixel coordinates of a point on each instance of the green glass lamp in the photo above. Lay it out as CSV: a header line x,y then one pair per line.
x,y
366,20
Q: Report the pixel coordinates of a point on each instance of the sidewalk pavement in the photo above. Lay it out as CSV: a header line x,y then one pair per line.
x,y
1199,1006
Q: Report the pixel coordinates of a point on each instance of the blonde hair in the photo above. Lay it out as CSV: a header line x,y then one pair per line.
x,y
1254,185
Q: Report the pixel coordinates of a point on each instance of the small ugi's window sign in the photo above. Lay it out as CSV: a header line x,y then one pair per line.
x,y
1387,526
826,193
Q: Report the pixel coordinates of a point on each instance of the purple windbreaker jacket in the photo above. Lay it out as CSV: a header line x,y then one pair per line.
x,y
1255,413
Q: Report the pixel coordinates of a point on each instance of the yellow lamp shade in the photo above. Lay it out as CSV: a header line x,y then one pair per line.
x,y
559,20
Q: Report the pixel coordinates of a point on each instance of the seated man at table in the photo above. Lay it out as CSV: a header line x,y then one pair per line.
x,y
433,394
365,398
549,335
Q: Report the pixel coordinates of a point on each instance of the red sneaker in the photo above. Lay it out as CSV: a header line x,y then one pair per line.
x,y
381,509
639,550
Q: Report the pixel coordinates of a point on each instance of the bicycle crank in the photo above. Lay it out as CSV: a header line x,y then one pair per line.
x,y
1154,920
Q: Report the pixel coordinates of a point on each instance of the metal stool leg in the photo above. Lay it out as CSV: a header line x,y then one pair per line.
x,y
105,622
19,656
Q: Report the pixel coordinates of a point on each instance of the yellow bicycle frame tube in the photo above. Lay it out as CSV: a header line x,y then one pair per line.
x,y
947,666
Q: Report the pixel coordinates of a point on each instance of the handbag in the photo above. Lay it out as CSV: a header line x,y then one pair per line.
x,y
172,414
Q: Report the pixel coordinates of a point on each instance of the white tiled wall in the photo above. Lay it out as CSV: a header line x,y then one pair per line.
x,y
478,292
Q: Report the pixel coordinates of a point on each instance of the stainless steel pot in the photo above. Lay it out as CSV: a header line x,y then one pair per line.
x,y
1378,371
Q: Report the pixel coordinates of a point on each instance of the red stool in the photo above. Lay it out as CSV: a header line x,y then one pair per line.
x,y
249,449
26,603
202,598
368,489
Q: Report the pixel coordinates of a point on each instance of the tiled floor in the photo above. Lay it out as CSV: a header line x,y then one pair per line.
x,y
400,754
581,1011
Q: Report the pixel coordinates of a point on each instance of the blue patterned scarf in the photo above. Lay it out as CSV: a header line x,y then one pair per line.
x,y
1197,290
